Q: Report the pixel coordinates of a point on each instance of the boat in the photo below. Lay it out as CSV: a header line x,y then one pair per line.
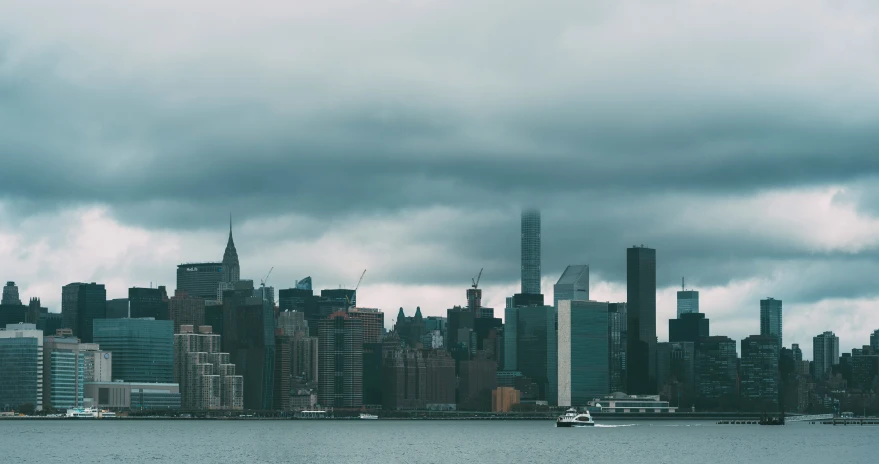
x,y
572,418
108,414
365,416
83,413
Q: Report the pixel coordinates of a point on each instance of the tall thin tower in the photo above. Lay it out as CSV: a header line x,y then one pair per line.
x,y
641,320
231,268
531,251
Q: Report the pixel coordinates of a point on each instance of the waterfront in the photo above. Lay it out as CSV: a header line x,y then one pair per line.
x,y
400,441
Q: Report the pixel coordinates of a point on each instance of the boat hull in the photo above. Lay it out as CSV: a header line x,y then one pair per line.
x,y
574,424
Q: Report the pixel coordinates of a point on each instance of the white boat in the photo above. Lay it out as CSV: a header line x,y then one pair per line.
x,y
572,418
107,414
83,413
368,416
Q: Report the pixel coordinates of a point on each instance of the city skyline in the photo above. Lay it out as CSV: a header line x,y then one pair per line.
x,y
735,144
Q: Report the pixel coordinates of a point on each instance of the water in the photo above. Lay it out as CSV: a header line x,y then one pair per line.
x,y
384,441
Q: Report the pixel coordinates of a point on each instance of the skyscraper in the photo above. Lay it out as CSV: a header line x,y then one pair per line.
x,y
63,372
341,361
825,351
874,340
531,251
21,366
675,371
537,348
573,285
759,378
583,370
304,284
688,301
641,291
200,279
10,294
688,327
187,310
143,349
231,267
617,334
81,304
716,372
770,319
249,338
148,302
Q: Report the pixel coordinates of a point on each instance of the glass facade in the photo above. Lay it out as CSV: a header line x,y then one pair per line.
x,y
143,349
688,302
616,326
21,372
770,319
66,379
759,373
531,252
716,371
537,348
582,352
641,315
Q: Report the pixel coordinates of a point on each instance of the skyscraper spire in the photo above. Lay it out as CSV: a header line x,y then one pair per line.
x,y
231,267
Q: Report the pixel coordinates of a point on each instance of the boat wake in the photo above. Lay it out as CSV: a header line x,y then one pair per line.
x,y
614,426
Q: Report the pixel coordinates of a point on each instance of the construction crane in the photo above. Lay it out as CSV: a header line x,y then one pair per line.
x,y
359,281
262,283
476,280
348,300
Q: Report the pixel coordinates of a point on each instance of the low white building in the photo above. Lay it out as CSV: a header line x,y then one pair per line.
x,y
622,403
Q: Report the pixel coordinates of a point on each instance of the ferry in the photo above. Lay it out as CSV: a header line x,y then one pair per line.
x,y
572,418
83,413
365,416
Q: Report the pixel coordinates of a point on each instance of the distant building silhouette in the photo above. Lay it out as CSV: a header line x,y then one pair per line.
x,y
200,279
825,351
688,302
148,302
573,285
304,284
231,267
10,294
759,375
641,305
770,319
187,310
688,327
249,338
81,304
716,372
341,361
676,372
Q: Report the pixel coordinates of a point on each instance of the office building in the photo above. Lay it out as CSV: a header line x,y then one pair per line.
x,y
797,352
641,314
583,352
21,367
292,322
340,377
283,376
688,327
10,294
81,305
511,326
874,340
117,308
97,363
143,349
304,300
49,323
249,338
135,396
199,280
63,373
305,358
688,302
716,372
573,285
477,379
148,302
265,293
531,251
405,379
621,403
537,348
304,284
187,310
412,329
825,353
675,371
616,324
13,313
231,267
770,319
759,378
504,398
35,311
373,323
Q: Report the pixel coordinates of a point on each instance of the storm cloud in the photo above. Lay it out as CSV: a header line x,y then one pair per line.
x,y
737,138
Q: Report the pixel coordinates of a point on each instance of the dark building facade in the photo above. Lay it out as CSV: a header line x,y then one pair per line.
x,y
675,372
641,314
143,349
283,380
187,310
117,308
688,327
373,374
617,333
148,302
200,279
771,319
759,374
304,300
477,379
531,251
716,373
537,348
81,304
340,365
249,338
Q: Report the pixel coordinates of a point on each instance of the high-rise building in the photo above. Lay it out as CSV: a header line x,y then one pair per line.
x,y
231,268
825,353
341,361
617,333
583,344
117,308
537,348
49,323
292,322
688,327
511,326
304,284
716,372
373,323
148,302
759,379
405,379
97,363
81,304
412,329
688,302
641,291
21,367
874,340
477,379
283,377
63,372
143,349
531,251
796,352
770,319
10,295
200,280
305,358
675,371
573,285
304,300
187,310
249,338
35,311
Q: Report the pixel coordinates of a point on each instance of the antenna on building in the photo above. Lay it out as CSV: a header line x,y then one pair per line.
x,y
683,287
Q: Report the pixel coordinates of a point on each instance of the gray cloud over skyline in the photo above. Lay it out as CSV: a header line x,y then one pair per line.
x,y
737,138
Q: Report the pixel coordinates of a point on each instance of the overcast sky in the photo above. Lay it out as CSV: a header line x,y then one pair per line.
x,y
738,138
